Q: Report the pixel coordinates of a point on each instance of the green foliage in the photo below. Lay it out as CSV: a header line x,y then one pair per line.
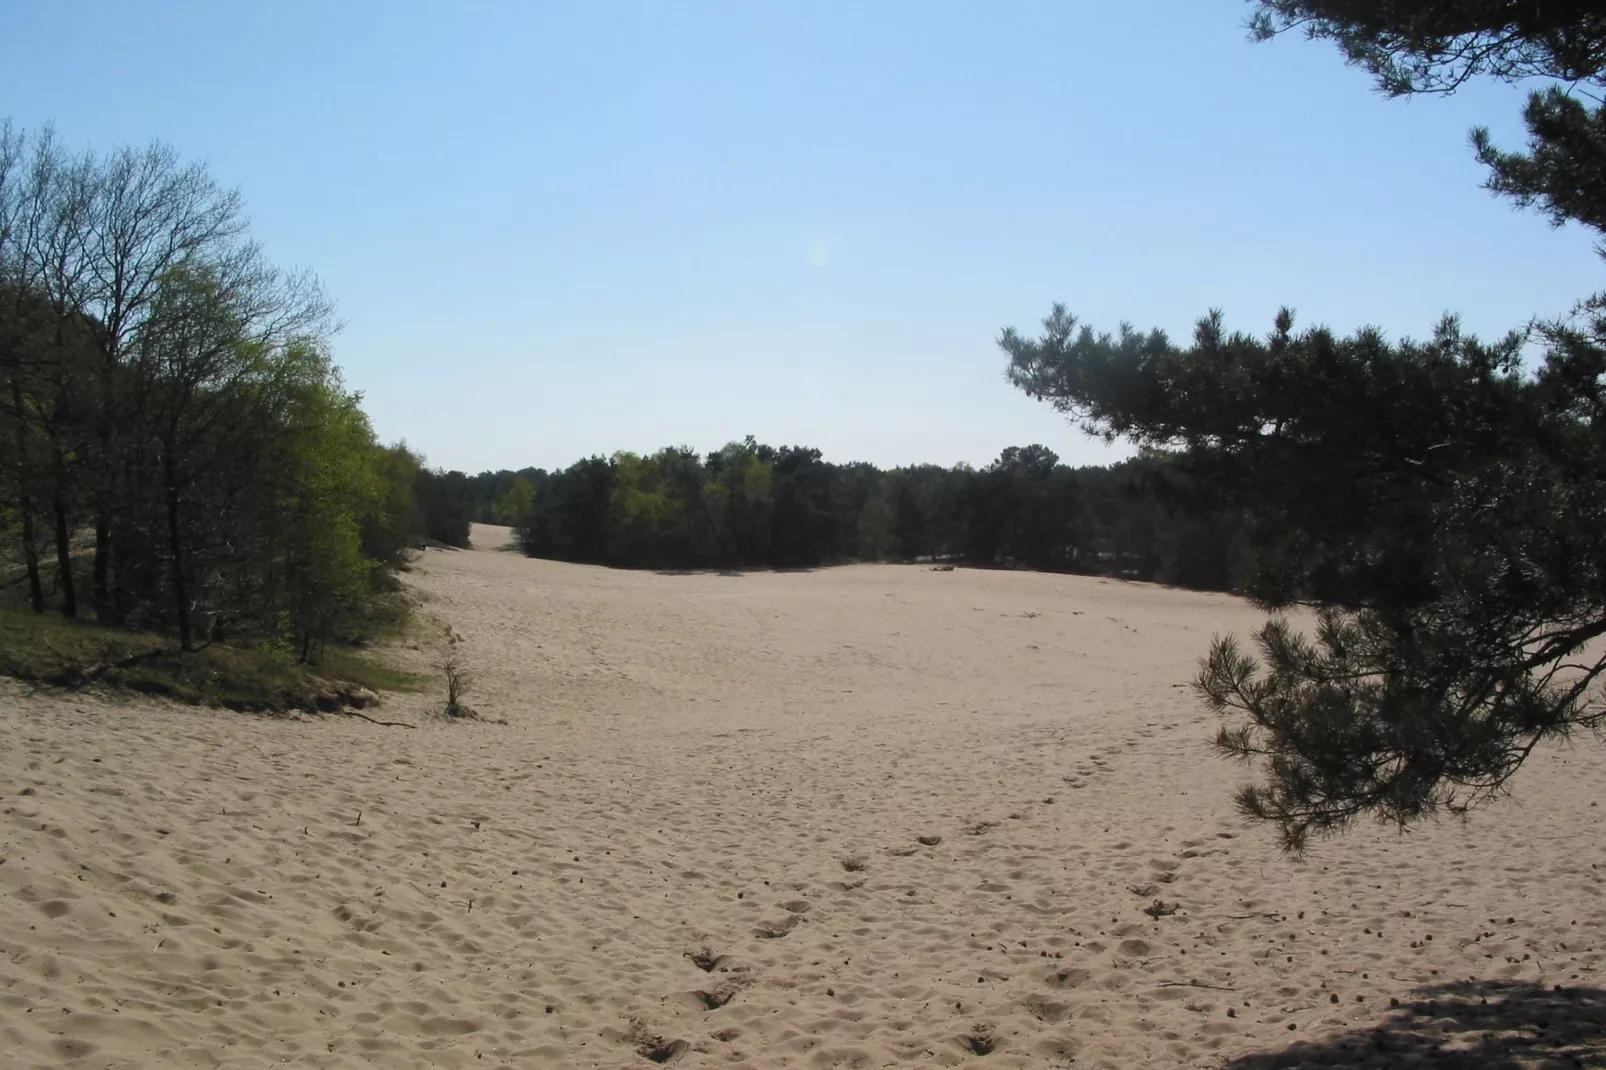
x,y
331,484
515,506
875,528
752,505
1441,505
173,425
1564,170
387,529
1434,46
1446,507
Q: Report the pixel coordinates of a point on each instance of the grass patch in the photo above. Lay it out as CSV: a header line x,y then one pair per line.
x,y
366,670
48,649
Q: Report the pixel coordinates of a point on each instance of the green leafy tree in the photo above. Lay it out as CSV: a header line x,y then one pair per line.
x,y
739,494
331,484
876,522
387,530
516,504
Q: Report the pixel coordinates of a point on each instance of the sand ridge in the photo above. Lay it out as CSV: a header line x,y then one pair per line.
x,y
859,817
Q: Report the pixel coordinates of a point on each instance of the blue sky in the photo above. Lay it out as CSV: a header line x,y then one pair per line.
x,y
562,229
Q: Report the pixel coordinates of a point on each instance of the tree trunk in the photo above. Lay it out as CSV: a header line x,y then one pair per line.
x,y
107,611
69,588
30,552
175,548
104,610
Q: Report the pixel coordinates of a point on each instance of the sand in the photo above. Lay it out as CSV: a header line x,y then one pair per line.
x,y
858,817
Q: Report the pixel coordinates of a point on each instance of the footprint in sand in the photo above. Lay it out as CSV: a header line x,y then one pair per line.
x,y
1046,1011
776,930
659,1050
980,1040
714,999
706,960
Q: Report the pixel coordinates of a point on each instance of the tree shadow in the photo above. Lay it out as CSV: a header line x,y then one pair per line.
x,y
1487,1025
729,573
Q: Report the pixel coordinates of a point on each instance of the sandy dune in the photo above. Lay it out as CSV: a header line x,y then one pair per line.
x,y
912,818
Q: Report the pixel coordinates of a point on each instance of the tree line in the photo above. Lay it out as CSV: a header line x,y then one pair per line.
x,y
177,449
753,505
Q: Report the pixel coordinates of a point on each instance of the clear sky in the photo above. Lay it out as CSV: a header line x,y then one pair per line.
x,y
557,229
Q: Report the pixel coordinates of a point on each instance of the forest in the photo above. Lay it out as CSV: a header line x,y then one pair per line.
x,y
178,454
752,505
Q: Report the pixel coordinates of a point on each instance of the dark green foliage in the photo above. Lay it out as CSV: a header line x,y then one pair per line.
x,y
752,505
444,507
1447,509
1443,507
1564,170
1435,46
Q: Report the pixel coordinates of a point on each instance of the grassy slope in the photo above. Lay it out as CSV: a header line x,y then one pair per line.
x,y
51,649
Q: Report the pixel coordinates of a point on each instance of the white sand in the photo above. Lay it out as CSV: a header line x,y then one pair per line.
x,y
741,764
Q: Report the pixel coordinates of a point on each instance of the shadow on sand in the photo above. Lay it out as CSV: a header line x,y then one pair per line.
x,y
731,573
1465,1025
